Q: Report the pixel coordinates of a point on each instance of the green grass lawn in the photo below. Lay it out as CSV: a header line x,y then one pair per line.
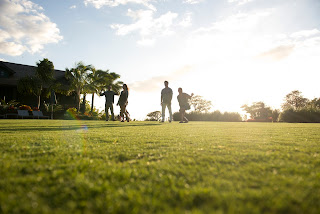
x,y
148,167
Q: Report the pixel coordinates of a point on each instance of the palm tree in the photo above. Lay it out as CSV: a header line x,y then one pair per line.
x,y
79,79
115,85
96,83
100,80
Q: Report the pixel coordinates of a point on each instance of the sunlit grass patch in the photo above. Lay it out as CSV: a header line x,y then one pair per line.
x,y
146,167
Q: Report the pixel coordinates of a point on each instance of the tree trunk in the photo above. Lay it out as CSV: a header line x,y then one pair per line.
x,y
39,99
92,102
83,110
51,111
78,101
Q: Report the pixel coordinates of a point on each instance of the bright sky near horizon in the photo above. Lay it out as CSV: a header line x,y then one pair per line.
x,y
232,52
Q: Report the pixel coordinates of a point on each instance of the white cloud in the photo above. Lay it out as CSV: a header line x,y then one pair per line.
x,y
11,48
240,2
146,42
234,51
114,3
234,37
73,7
277,53
23,27
242,22
238,39
299,44
192,1
305,33
232,29
148,27
187,20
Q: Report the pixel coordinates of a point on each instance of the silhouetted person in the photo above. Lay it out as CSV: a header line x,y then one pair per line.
x,y
183,100
123,102
166,97
109,102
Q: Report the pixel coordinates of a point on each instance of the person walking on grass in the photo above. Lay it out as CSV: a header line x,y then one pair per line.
x,y
183,100
109,95
166,97
123,102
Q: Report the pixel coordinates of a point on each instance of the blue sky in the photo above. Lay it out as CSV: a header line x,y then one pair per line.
x,y
232,52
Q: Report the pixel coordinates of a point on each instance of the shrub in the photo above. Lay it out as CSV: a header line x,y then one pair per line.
x,y
3,109
71,114
25,107
269,119
231,117
210,116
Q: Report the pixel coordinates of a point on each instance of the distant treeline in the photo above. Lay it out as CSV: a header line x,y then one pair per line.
x,y
295,109
210,116
302,115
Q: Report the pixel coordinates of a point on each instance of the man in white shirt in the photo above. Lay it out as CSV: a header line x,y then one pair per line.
x,y
166,97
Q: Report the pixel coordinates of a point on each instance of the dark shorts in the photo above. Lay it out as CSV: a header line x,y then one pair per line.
x,y
184,107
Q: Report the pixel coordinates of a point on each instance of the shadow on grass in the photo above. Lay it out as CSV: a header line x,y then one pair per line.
x,y
73,127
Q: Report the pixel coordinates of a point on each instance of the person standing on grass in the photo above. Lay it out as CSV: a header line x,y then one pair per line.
x,y
166,97
123,102
109,94
183,100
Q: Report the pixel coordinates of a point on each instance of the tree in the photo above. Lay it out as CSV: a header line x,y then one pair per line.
x,y
315,103
294,100
112,80
275,115
100,80
199,104
78,78
154,116
94,85
30,85
258,110
301,115
298,109
45,72
43,78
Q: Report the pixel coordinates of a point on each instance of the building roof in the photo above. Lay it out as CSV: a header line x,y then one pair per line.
x,y
17,71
